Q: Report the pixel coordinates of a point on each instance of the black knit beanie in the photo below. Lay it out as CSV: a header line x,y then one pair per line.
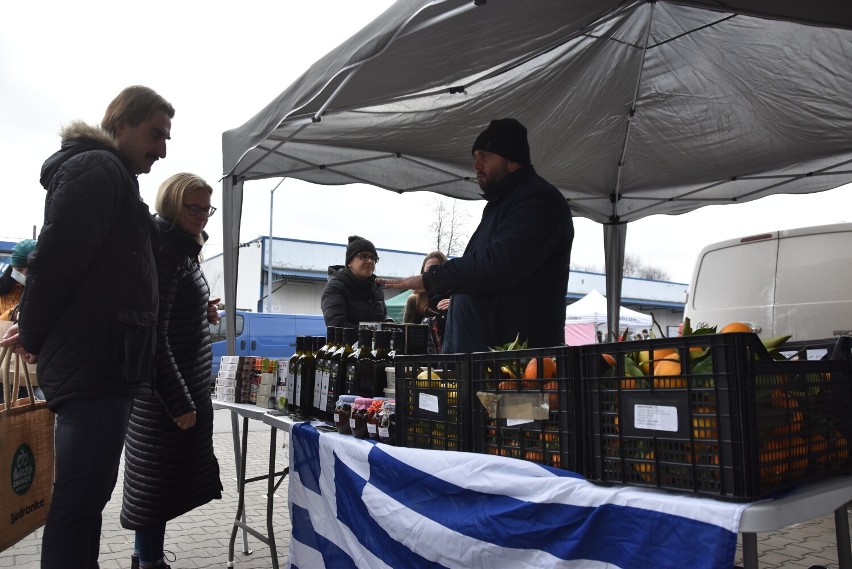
x,y
506,137
356,245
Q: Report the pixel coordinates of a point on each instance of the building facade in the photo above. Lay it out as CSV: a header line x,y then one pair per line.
x,y
299,270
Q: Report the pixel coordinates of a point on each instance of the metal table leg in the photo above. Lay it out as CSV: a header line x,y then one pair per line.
x,y
240,454
749,550
841,527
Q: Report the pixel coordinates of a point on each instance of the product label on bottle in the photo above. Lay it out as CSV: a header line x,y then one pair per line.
x,y
323,381
291,383
337,417
332,385
384,432
297,379
371,428
350,378
351,423
318,386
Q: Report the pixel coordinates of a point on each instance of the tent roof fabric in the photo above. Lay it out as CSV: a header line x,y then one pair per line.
x,y
593,308
634,108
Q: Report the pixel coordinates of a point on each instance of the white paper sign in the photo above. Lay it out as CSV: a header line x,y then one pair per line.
x,y
655,417
428,402
514,422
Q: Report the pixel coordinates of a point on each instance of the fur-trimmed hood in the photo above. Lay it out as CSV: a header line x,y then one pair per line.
x,y
77,137
80,130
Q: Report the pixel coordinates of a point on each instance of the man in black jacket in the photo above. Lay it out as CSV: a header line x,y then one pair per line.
x,y
89,311
513,276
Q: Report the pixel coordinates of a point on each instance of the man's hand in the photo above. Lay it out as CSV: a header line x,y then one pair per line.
x,y
213,311
13,339
186,421
414,283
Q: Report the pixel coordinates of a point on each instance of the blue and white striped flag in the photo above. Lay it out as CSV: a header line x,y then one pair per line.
x,y
361,505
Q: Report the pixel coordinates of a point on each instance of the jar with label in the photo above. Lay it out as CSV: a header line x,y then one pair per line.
x,y
343,413
373,418
358,419
387,422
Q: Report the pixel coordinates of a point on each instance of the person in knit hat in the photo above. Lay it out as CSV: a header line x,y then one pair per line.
x,y
352,293
13,279
512,278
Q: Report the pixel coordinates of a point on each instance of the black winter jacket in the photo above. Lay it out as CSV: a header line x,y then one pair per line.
x,y
167,471
89,310
348,300
513,276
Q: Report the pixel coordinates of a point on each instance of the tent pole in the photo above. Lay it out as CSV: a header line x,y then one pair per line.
x,y
232,211
615,236
269,265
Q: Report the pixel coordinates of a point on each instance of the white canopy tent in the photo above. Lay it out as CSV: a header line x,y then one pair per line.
x,y
589,314
633,107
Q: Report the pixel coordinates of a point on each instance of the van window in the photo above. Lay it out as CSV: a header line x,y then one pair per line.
x,y
218,331
821,254
737,276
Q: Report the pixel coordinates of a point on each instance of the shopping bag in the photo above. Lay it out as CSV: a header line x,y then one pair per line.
x,y
26,455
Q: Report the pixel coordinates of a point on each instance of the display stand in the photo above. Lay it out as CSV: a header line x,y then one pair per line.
x,y
808,502
249,411
811,501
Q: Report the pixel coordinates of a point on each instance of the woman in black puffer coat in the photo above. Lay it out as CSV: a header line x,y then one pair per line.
x,y
351,294
170,467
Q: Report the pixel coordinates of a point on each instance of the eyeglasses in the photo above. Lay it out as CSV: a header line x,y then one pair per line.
x,y
367,257
195,210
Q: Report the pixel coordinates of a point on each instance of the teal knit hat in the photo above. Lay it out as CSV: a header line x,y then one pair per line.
x,y
20,252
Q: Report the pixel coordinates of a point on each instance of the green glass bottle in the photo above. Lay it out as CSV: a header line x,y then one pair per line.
x,y
337,366
291,374
353,362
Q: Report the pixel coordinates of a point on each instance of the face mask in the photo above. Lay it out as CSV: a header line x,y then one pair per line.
x,y
19,276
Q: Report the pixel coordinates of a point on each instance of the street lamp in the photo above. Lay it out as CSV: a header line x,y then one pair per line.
x,y
269,263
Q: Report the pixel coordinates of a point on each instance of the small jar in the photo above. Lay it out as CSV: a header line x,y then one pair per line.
x,y
342,413
358,418
387,422
373,418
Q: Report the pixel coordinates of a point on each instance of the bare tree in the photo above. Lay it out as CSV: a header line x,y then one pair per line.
x,y
633,267
448,227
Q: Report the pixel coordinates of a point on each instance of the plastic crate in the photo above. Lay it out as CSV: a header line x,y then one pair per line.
x,y
433,401
826,349
730,422
532,415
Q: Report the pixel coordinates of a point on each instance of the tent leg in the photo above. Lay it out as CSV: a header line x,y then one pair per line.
x,y
615,236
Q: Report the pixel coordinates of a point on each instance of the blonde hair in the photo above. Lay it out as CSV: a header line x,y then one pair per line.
x,y
169,200
132,106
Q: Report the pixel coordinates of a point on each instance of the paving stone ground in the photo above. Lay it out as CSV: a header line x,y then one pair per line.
x,y
200,538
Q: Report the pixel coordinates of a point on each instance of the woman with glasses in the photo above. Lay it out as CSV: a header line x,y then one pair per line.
x,y
351,294
425,308
170,467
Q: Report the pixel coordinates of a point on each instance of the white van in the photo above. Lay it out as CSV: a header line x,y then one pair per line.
x,y
796,281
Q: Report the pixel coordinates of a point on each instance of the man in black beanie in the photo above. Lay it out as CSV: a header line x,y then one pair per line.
x,y
513,276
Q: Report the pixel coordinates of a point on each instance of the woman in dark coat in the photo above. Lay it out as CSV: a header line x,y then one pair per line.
x,y
352,294
422,304
170,467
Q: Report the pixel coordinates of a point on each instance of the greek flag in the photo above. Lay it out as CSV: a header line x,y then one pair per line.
x,y
368,505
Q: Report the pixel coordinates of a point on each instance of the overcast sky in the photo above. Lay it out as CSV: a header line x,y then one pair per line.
x,y
219,63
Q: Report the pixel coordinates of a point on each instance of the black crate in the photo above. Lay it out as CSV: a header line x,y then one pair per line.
x,y
722,418
532,415
433,401
826,349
